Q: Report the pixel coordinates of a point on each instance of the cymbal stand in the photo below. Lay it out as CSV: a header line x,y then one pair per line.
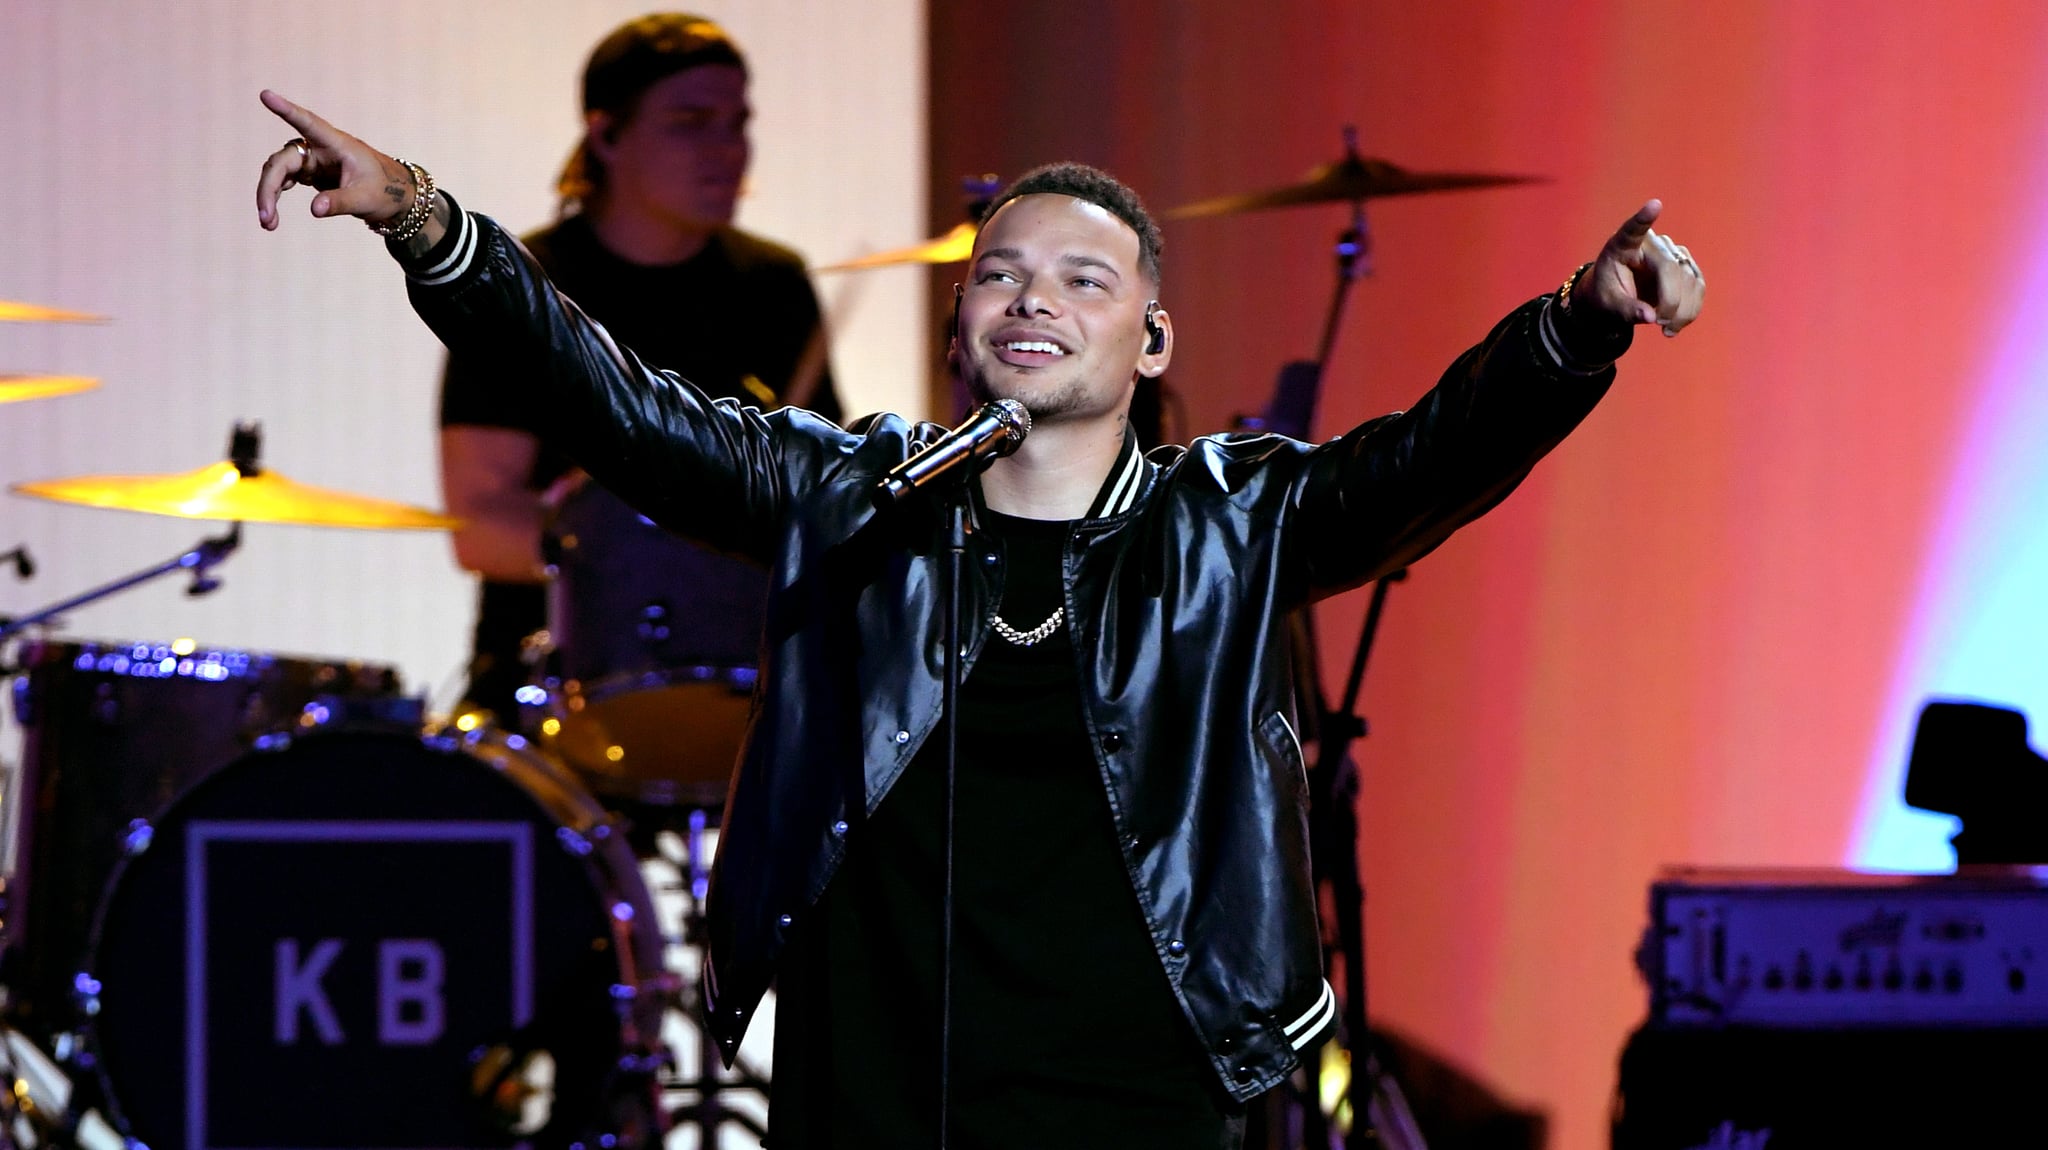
x,y
1333,823
706,1112
1354,259
1334,783
200,561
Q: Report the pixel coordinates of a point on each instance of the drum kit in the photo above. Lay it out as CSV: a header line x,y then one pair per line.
x,y
259,899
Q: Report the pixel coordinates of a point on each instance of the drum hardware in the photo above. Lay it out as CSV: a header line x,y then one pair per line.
x,y
703,1107
952,247
644,677
200,561
526,976
17,388
237,489
402,712
112,732
1351,179
13,312
36,1103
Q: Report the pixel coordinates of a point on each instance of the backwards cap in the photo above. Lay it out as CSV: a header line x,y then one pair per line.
x,y
642,52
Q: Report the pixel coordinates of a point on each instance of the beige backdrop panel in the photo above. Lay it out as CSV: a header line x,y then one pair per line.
x,y
131,137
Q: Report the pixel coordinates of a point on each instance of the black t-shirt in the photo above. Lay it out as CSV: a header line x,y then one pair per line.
x,y
734,319
1065,1030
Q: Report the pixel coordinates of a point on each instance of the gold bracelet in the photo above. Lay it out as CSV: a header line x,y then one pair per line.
x,y
408,223
1564,292
422,204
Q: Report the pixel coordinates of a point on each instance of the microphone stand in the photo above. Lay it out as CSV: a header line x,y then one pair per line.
x,y
943,471
953,572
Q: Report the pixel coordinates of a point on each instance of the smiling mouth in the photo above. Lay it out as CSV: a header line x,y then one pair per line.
x,y
1032,347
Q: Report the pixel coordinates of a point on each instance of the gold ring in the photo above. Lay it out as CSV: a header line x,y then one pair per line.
x,y
305,153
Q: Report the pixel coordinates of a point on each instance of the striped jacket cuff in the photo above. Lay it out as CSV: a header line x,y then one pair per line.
x,y
1561,350
1316,1023
449,257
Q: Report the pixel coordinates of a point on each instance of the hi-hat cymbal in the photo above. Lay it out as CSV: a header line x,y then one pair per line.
x,y
952,248
15,388
33,313
223,492
1350,179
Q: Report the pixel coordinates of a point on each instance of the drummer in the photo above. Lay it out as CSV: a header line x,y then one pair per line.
x,y
644,243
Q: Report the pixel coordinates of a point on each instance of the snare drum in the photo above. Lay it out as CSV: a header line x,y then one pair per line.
x,y
112,732
369,938
655,643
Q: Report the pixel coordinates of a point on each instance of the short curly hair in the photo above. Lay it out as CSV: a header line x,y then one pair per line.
x,y
1097,187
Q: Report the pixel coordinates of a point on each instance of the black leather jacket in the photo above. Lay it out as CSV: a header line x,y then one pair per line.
x,y
1178,593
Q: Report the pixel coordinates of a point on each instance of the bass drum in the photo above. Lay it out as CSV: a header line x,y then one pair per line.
x,y
112,733
370,938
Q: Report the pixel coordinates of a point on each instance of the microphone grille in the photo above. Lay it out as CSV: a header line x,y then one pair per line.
x,y
1015,414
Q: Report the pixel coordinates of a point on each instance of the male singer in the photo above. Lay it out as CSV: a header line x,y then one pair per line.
x,y
1135,950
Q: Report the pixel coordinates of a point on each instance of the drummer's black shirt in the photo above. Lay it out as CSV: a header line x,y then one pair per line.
x,y
1065,1030
741,309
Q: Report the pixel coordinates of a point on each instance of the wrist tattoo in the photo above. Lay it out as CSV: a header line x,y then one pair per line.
x,y
417,244
411,218
397,184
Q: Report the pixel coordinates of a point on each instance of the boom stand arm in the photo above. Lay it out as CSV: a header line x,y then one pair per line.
x,y
200,561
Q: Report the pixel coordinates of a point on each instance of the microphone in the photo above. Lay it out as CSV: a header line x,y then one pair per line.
x,y
996,429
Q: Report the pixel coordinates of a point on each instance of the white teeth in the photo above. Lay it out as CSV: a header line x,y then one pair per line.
x,y
1038,345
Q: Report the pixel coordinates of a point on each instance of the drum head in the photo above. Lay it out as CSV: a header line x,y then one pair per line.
x,y
667,738
320,945
114,732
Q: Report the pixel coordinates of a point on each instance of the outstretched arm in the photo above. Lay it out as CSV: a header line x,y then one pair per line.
x,y
714,470
1389,492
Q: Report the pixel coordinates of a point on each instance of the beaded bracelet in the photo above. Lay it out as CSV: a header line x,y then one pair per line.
x,y
408,224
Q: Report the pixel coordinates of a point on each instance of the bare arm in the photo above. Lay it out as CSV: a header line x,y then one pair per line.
x,y
484,471
810,371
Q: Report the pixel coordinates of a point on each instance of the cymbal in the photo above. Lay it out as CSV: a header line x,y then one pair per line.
x,y
224,492
32,313
15,388
952,248
1350,179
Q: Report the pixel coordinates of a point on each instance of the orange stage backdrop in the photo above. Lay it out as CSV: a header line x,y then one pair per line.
x,y
1678,642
